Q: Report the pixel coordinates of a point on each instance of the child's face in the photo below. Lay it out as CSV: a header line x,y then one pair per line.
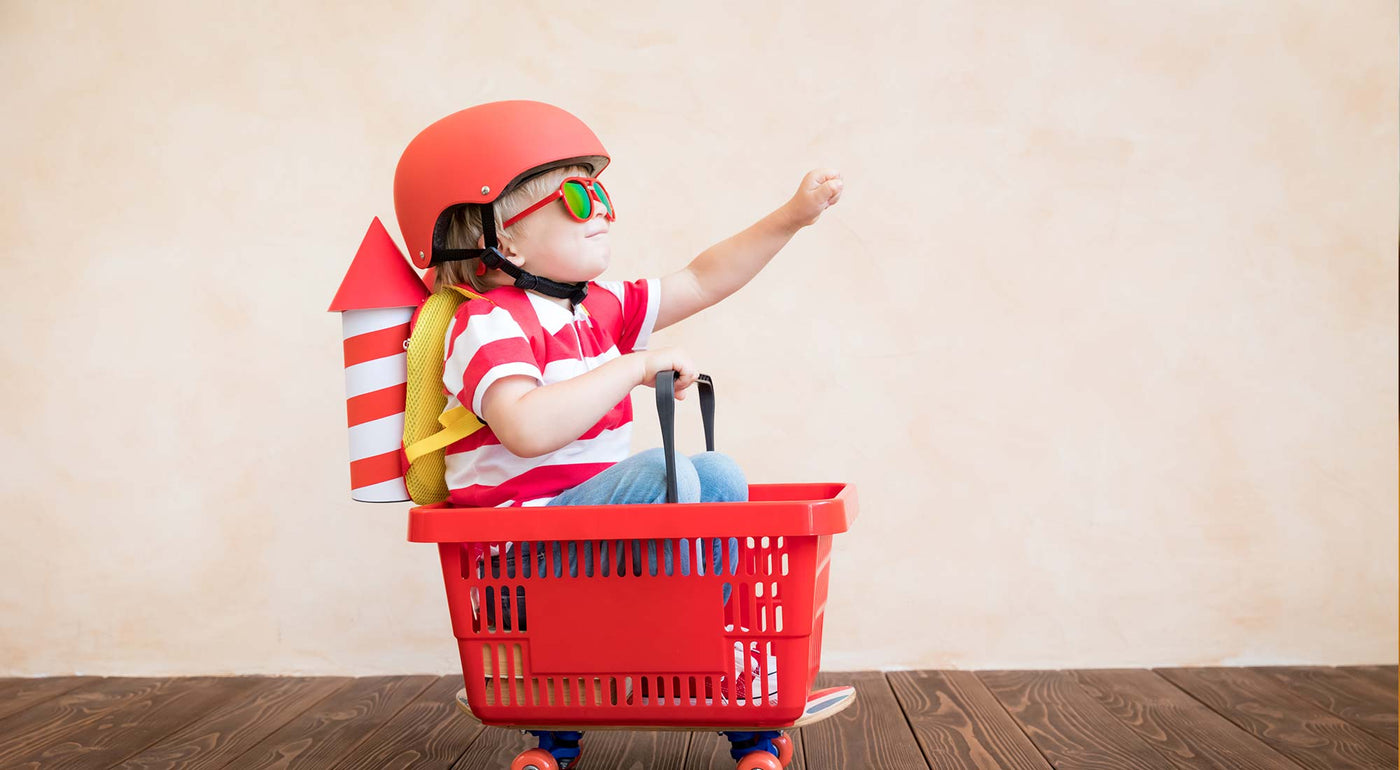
x,y
554,245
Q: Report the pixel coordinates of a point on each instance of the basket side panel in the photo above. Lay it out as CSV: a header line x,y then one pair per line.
x,y
532,653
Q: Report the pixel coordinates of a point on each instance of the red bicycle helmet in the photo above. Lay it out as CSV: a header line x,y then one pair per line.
x,y
473,156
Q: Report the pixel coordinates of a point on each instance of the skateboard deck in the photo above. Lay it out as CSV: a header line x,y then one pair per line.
x,y
820,705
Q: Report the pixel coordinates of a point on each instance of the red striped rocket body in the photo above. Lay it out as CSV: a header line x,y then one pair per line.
x,y
376,301
376,375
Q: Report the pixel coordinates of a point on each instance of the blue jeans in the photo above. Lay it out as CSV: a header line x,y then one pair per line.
x,y
709,477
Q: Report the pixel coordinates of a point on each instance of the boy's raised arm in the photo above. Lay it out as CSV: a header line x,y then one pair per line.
x,y
725,267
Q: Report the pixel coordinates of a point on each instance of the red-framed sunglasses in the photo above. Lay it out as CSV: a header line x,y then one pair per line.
x,y
578,194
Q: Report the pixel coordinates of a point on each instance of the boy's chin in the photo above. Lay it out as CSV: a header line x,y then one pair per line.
x,y
592,275
588,272
581,277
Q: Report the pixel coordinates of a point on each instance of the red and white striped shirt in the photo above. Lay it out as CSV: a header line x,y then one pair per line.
x,y
520,333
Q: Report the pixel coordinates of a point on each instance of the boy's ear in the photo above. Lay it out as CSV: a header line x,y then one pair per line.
x,y
504,245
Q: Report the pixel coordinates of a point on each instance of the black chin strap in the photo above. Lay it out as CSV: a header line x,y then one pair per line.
x,y
492,257
573,292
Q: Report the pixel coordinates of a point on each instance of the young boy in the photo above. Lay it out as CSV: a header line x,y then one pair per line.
x,y
549,375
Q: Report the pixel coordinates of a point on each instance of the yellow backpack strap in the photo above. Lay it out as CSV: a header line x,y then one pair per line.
x,y
426,429
456,423
466,293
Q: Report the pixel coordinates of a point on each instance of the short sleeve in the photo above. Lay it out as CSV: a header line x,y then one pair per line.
x,y
639,302
484,343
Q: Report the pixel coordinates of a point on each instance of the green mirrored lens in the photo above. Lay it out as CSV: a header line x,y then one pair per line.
x,y
603,196
576,198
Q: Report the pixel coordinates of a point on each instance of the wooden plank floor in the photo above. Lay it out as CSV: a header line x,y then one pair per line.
x,y
1114,719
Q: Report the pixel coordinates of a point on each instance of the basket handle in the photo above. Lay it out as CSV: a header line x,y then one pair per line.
x,y
666,412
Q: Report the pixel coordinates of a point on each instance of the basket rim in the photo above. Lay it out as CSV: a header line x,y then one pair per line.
x,y
782,510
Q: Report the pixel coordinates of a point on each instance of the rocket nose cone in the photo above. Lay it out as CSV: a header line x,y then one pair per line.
x,y
379,276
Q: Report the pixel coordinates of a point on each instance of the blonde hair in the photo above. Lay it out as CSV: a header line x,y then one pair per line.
x,y
464,227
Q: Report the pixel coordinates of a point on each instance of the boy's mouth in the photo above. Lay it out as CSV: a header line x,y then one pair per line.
x,y
600,231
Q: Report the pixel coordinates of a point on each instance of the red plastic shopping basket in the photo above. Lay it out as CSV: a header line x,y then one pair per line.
x,y
630,640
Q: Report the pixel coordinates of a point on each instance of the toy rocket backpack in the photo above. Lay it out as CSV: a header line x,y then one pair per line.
x,y
398,427
376,302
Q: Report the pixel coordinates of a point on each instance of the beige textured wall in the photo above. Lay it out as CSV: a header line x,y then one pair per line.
x,y
1103,330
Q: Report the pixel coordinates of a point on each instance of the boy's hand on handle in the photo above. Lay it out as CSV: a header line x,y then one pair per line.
x,y
664,359
819,191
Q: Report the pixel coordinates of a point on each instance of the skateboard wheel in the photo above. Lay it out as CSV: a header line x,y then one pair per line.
x,y
534,759
784,746
760,760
